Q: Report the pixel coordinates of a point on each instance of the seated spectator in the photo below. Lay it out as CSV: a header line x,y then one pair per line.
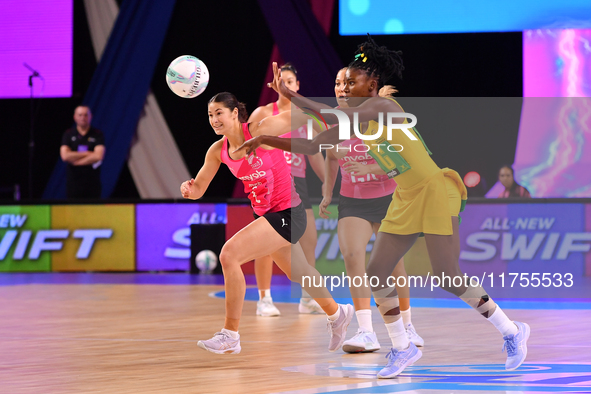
x,y
512,188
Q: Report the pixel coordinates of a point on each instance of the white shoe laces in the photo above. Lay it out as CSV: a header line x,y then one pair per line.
x,y
329,325
360,333
395,359
220,336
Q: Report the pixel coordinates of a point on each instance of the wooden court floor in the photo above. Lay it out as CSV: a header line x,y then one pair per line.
x,y
75,338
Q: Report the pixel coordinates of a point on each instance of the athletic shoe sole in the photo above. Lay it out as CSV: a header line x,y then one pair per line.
x,y
358,349
268,314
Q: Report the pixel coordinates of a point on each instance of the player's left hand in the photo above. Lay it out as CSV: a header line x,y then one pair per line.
x,y
277,84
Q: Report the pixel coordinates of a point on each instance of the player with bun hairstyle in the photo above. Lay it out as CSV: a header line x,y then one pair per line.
x,y
263,266
427,200
280,218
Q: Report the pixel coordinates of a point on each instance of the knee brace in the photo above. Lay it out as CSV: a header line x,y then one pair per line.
x,y
387,304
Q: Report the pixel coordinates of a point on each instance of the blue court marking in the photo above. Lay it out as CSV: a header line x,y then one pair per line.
x,y
452,378
281,290
96,278
284,294
451,387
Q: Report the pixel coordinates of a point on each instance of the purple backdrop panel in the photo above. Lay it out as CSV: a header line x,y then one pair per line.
x,y
553,153
556,63
554,142
39,33
588,230
164,235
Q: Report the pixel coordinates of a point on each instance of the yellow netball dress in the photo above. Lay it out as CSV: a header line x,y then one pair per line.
x,y
426,195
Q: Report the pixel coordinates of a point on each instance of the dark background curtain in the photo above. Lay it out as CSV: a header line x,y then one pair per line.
x,y
119,86
237,53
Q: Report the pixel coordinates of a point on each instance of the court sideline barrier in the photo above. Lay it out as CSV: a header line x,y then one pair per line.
x,y
496,236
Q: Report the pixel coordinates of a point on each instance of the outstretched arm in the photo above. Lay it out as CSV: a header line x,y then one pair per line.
x,y
366,111
326,139
281,124
195,187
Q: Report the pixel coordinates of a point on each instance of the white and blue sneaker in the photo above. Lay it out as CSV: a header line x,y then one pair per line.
x,y
338,328
362,342
413,336
398,360
266,308
516,346
221,343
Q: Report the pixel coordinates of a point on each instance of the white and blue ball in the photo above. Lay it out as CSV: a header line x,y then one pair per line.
x,y
187,76
206,261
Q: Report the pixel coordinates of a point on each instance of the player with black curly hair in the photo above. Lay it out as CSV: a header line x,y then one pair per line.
x,y
426,201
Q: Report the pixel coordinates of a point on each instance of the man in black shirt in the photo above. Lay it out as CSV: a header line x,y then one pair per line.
x,y
83,149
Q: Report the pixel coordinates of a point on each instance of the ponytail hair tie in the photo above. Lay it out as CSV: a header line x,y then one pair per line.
x,y
362,55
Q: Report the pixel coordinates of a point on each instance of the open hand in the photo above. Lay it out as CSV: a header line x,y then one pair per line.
x,y
277,84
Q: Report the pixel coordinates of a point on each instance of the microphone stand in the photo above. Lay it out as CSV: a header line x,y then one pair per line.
x,y
34,74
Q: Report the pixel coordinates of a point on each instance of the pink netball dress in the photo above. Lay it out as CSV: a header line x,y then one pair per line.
x,y
266,177
367,186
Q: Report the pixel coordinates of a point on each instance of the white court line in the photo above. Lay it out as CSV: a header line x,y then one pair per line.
x,y
3,339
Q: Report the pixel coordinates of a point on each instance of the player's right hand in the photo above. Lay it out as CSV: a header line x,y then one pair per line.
x,y
323,205
186,188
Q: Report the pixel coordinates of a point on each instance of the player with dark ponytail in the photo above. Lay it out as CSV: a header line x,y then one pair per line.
x,y
263,267
280,218
427,200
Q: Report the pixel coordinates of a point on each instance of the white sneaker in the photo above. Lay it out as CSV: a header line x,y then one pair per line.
x,y
266,308
516,346
412,335
338,328
221,343
362,342
309,306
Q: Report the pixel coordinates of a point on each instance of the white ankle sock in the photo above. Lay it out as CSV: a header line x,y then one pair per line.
x,y
406,317
232,334
336,315
267,293
397,335
364,319
502,322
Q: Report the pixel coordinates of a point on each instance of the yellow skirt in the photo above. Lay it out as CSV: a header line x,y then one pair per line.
x,y
426,207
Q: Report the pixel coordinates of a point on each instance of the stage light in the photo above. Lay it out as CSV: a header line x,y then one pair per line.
x,y
472,179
